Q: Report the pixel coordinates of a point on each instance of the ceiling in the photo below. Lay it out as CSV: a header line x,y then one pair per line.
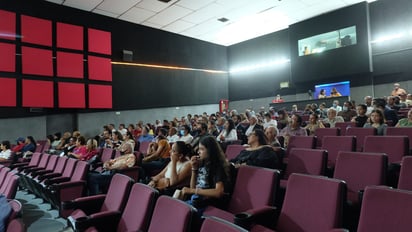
x,y
198,19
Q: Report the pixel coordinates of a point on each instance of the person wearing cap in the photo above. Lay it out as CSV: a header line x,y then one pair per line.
x,y
397,90
20,144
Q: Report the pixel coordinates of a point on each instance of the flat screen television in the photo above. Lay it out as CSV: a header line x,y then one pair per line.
x,y
332,45
343,88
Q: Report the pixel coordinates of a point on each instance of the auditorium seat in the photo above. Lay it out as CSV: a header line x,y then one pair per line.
x,y
334,144
360,134
385,209
308,142
344,125
87,208
172,215
321,132
396,147
233,150
217,224
255,189
405,175
312,204
401,131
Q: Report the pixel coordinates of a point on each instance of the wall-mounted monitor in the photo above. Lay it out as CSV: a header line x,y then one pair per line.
x,y
328,90
332,45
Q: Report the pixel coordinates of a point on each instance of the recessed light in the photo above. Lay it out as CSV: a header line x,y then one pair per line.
x,y
223,19
165,1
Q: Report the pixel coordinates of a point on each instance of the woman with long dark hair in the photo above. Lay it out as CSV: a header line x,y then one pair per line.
x,y
210,175
228,133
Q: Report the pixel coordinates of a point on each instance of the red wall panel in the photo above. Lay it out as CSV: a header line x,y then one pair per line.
x,y
71,95
69,65
69,36
37,93
7,25
35,30
99,41
37,61
7,57
100,68
100,96
8,92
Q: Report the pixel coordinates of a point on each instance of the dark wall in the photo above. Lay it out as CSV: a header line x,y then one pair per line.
x,y
139,87
390,60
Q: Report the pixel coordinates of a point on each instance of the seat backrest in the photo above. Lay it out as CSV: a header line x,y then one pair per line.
x,y
16,209
144,145
35,159
16,225
233,150
52,162
255,187
401,131
217,224
360,133
61,163
312,204
11,187
3,174
80,171
308,142
6,181
344,125
306,161
405,175
385,209
360,169
174,215
107,154
69,168
43,161
118,193
321,132
395,147
139,208
335,144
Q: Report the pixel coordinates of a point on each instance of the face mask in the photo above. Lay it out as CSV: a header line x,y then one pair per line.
x,y
182,132
344,108
334,105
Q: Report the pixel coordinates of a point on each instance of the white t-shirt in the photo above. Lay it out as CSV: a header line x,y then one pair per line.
x,y
5,154
179,166
230,137
186,138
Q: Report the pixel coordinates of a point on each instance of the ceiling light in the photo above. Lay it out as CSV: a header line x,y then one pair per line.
x,y
223,19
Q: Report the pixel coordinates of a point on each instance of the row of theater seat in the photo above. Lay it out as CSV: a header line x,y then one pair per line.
x,y
138,207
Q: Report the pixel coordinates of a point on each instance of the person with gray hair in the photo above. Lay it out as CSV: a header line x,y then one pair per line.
x,y
332,119
253,125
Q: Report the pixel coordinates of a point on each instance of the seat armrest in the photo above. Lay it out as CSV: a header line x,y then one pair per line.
x,y
263,216
85,203
48,176
57,180
107,220
41,172
338,230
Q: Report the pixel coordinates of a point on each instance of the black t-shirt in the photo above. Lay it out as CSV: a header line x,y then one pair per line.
x,y
263,157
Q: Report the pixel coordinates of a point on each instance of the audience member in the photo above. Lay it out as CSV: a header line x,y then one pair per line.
x,y
390,115
406,122
259,153
313,124
145,136
332,118
252,125
336,106
377,120
185,134
228,133
397,90
369,105
172,136
293,129
5,152
20,144
177,172
347,113
361,117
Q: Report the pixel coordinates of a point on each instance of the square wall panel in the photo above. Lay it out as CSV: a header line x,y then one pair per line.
x,y
7,25
7,57
35,30
100,68
37,61
71,95
37,93
100,96
99,41
70,65
69,36
8,91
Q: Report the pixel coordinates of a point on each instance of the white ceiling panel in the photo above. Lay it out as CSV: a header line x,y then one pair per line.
x,y
178,26
198,18
154,5
116,6
169,15
87,5
193,4
137,15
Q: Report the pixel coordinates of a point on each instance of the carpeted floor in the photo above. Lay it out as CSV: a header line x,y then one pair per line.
x,y
38,215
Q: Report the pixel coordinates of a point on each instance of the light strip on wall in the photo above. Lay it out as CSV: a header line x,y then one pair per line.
x,y
168,67
260,66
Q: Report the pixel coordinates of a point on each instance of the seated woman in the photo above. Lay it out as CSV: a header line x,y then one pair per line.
x,y
177,172
84,151
313,124
259,153
228,133
405,122
157,157
210,176
29,147
5,151
377,120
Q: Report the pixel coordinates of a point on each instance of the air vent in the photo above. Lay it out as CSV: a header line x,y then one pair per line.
x,y
223,20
